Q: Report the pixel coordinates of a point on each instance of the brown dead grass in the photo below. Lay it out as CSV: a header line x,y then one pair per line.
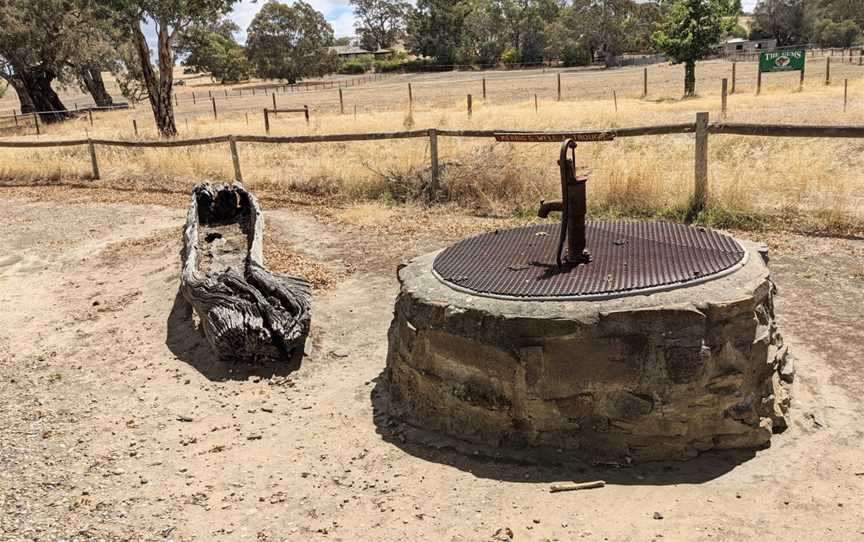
x,y
810,182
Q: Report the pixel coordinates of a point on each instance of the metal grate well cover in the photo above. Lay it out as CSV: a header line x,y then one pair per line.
x,y
628,257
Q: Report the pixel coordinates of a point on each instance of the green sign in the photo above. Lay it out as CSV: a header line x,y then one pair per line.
x,y
788,60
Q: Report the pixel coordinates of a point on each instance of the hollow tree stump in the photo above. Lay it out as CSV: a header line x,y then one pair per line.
x,y
247,312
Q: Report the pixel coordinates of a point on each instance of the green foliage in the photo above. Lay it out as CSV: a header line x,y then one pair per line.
x,y
211,48
129,76
532,39
380,23
737,31
510,56
790,22
435,29
837,34
352,67
290,42
482,40
387,66
842,10
563,44
604,25
691,31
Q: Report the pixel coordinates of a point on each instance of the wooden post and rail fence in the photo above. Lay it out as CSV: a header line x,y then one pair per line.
x,y
701,128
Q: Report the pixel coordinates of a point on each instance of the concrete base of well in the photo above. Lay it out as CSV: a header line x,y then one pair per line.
x,y
636,378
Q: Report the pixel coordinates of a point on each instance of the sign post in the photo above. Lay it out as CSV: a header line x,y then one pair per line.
x,y
783,60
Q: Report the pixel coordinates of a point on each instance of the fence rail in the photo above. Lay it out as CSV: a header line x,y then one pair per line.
x,y
702,128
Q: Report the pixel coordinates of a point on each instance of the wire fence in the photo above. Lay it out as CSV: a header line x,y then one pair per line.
x,y
702,129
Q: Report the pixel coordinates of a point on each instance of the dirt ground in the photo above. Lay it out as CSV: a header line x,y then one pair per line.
x,y
116,424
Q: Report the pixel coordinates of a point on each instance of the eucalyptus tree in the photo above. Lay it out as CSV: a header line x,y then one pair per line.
x,y
290,42
39,39
691,31
380,23
168,18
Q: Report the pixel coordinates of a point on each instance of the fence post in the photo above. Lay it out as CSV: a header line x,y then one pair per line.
x,y
341,103
535,103
645,83
176,100
734,65
845,94
247,118
36,120
469,106
93,161
615,99
433,157
559,86
306,113
828,69
193,98
213,100
15,115
410,99
484,89
759,80
266,121
701,177
724,92
235,159
90,113
274,102
135,126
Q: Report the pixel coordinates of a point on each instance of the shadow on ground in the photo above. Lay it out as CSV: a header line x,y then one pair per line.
x,y
532,466
187,342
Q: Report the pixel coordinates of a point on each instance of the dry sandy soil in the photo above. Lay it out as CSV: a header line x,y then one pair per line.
x,y
116,424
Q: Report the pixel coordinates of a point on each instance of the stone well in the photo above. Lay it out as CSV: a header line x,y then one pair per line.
x,y
644,374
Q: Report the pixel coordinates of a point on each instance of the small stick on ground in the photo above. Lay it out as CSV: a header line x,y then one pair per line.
x,y
574,486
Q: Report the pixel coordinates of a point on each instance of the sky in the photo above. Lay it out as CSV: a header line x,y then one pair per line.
x,y
337,12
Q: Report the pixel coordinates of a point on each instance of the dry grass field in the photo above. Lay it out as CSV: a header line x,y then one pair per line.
x,y
807,184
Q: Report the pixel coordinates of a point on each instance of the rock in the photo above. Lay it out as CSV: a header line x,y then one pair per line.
x,y
658,515
787,368
504,534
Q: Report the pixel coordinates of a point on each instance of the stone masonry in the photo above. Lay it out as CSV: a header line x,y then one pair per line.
x,y
636,378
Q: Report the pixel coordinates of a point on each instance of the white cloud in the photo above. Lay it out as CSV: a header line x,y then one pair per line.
x,y
343,24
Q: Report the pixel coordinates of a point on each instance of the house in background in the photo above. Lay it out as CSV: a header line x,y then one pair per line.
x,y
742,46
352,52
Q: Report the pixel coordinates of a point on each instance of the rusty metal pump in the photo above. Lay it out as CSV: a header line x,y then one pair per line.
x,y
573,207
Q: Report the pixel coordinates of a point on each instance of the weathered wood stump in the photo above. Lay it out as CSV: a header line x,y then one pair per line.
x,y
247,312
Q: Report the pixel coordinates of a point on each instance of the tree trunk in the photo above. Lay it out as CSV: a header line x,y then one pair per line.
x,y
247,313
159,90
24,99
91,76
44,99
690,78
